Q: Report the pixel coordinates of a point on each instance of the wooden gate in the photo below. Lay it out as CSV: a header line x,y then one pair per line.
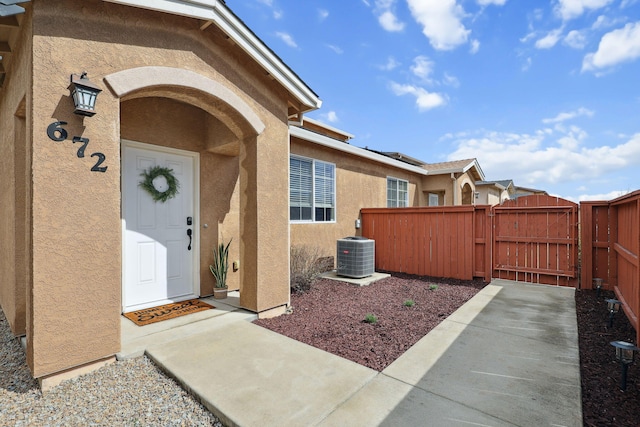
x,y
535,240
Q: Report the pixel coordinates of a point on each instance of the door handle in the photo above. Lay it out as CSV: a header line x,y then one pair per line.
x,y
189,233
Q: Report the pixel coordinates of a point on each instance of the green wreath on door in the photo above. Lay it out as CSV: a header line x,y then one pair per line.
x,y
160,183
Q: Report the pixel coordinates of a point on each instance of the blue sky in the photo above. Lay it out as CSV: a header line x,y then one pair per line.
x,y
546,93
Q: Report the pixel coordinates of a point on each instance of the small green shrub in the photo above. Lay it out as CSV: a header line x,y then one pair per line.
x,y
409,303
433,287
371,318
220,264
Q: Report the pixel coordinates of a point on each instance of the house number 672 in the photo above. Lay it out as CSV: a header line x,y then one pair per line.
x,y
57,133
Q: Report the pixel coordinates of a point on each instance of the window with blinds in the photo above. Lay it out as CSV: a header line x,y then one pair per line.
x,y
397,193
311,190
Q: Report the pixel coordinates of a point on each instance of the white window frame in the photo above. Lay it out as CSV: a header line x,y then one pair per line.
x,y
394,202
315,165
434,197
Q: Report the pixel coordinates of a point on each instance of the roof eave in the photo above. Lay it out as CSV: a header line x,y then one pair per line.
x,y
335,144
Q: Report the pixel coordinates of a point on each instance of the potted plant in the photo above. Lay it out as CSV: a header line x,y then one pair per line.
x,y
219,270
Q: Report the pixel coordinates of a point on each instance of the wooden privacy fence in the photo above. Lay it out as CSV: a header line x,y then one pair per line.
x,y
443,241
610,238
532,239
535,240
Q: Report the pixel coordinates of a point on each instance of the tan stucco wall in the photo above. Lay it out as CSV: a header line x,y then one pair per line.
x,y
439,184
444,184
360,183
490,195
76,294
265,283
15,171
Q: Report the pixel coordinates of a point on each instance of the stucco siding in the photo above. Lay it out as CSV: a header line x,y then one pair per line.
x,y
77,250
360,184
15,152
441,184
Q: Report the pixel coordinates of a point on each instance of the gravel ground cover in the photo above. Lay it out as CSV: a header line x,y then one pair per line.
x,y
128,393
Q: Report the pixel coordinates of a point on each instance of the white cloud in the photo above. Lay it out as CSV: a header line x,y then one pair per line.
x,y
441,22
287,39
336,49
550,40
391,64
604,196
387,17
570,9
423,68
488,2
527,64
323,14
450,80
277,14
390,22
603,21
551,158
475,46
563,117
425,100
575,39
331,117
528,37
617,46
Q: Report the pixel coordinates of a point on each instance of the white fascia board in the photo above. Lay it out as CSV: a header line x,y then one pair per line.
x,y
217,12
478,168
490,184
350,149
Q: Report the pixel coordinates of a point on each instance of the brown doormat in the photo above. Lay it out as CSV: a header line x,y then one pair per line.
x,y
166,312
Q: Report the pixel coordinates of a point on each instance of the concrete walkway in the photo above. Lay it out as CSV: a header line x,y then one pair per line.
x,y
508,357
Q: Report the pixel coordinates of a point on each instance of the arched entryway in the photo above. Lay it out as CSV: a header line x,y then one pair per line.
x,y
169,115
467,194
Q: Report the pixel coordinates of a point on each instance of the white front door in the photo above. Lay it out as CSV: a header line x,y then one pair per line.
x,y
158,254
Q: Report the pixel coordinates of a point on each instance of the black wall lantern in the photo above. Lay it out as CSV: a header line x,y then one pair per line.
x,y
84,94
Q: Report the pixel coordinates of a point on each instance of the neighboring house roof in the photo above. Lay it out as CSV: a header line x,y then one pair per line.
x,y
218,13
524,191
339,145
326,130
456,166
403,158
504,184
317,135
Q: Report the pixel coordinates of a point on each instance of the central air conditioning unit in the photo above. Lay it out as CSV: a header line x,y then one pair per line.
x,y
356,257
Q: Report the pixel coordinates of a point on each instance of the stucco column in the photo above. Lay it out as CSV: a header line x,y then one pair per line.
x,y
74,301
264,219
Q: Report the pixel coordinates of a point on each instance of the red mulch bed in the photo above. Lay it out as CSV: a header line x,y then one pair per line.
x,y
331,317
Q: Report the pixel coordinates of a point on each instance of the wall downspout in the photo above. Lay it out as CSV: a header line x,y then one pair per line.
x,y
453,186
